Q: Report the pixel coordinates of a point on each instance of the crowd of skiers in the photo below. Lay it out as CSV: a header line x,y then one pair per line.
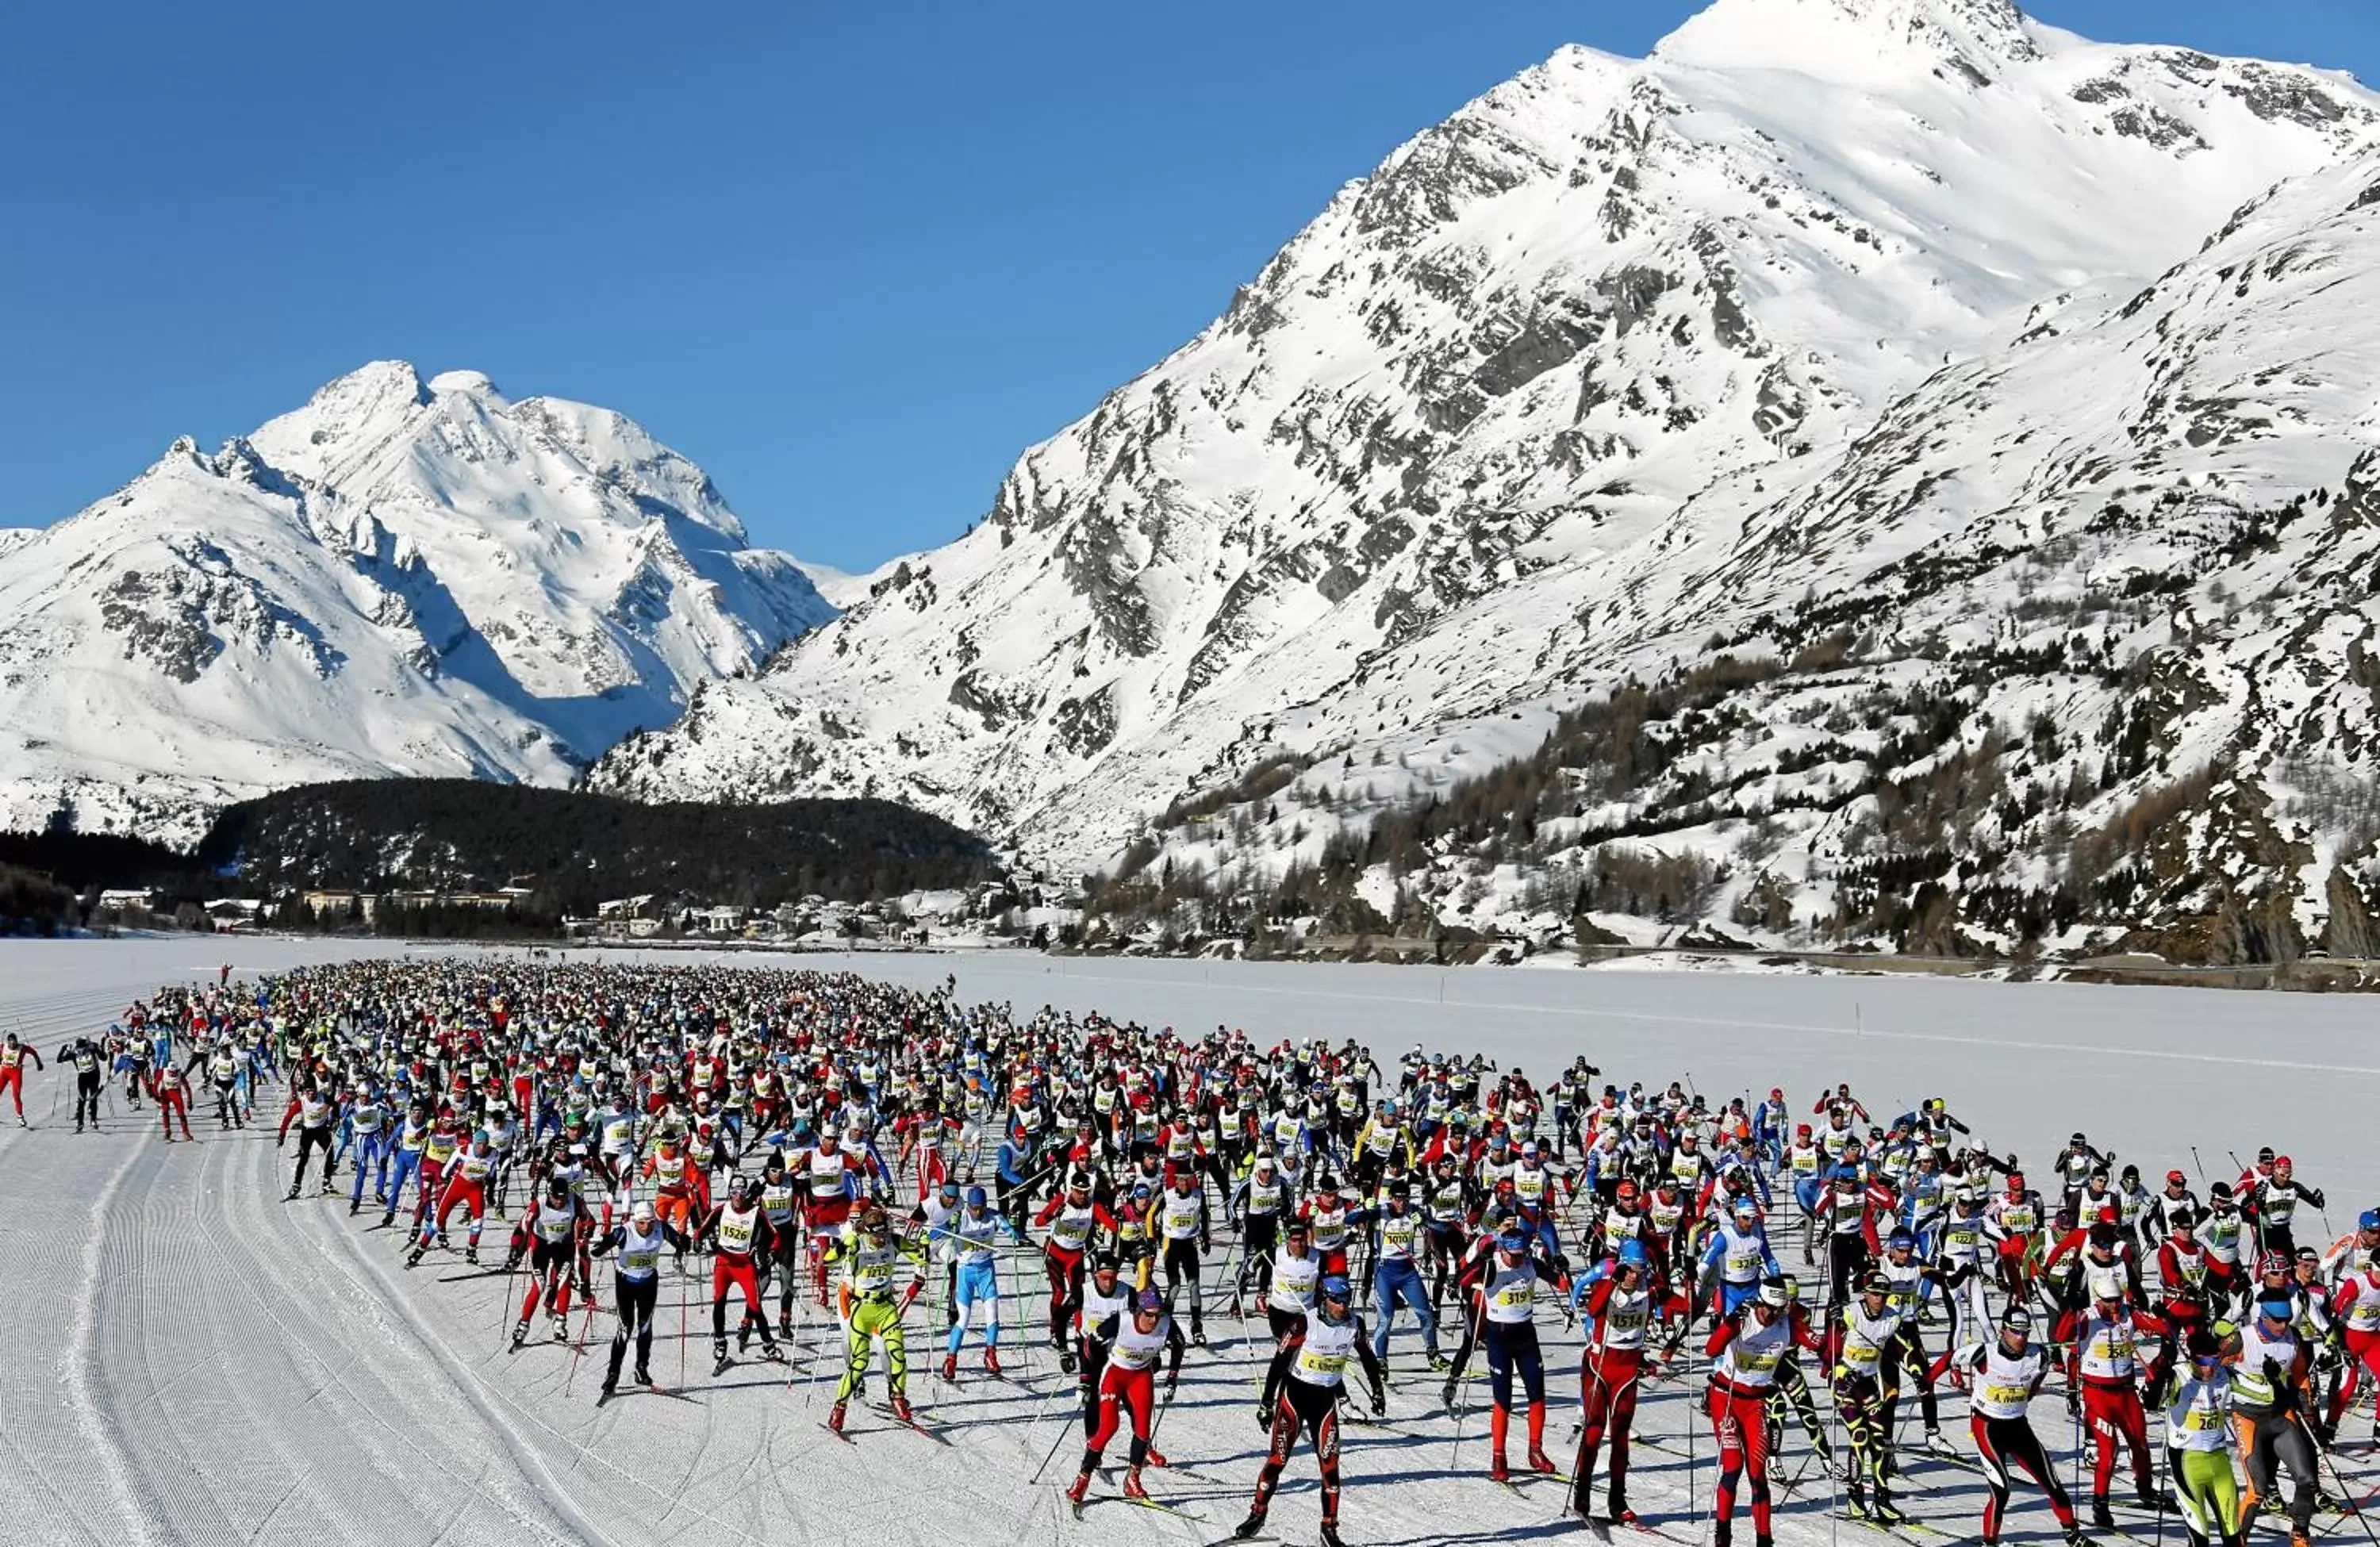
x,y
831,1144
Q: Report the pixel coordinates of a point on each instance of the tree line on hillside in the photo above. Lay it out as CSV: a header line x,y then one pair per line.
x,y
567,852
574,850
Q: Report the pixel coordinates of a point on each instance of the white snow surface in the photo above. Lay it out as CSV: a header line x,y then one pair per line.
x,y
399,578
1544,400
189,1359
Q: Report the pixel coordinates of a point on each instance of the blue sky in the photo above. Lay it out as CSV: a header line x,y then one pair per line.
x,y
851,258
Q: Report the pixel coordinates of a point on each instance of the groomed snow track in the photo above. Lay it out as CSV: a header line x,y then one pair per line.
x,y
185,1358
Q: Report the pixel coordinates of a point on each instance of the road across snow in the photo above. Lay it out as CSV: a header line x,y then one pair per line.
x,y
186,1359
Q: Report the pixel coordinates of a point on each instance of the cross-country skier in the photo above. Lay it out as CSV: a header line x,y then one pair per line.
x,y
2005,1376
871,1306
636,1286
12,1054
1128,1384
970,1239
1301,1390
1622,1304
1744,1350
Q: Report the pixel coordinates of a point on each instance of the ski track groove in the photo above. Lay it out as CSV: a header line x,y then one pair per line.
x,y
496,1394
84,1366
550,1494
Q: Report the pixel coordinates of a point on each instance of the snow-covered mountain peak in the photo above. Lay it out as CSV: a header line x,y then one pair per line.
x,y
473,383
395,578
1461,443
1832,37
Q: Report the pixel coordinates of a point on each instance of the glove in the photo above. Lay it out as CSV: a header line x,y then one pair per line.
x,y
1171,1382
1264,1418
2073,1403
1446,1395
1380,1403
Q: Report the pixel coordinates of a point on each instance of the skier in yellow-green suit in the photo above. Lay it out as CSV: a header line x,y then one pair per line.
x,y
881,1275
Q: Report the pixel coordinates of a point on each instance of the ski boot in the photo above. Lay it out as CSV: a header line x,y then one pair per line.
x,y
1251,1526
744,1335
768,1349
1198,1335
991,1361
1722,1533
413,1258
834,1417
2154,1504
606,1395
1617,1513
1066,1362
1439,1361
388,1219
1078,1490
560,1326
1884,1511
900,1409
785,1325
1155,1457
1540,1461
2074,1538
1331,1534
2101,1518
950,1366
720,1361
1497,1470
289,1196
1132,1486
471,1255
1939,1443
520,1333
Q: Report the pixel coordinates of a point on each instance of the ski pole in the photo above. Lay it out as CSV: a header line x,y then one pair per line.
x,y
505,1306
1834,1477
579,1352
2345,1495
2164,1466
1470,1342
1163,1403
1053,1455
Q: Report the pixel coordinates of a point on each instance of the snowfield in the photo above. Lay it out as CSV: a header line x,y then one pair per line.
x,y
189,1359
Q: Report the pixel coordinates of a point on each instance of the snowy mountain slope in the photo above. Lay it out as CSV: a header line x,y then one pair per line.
x,y
1462,441
845,589
2074,645
398,578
